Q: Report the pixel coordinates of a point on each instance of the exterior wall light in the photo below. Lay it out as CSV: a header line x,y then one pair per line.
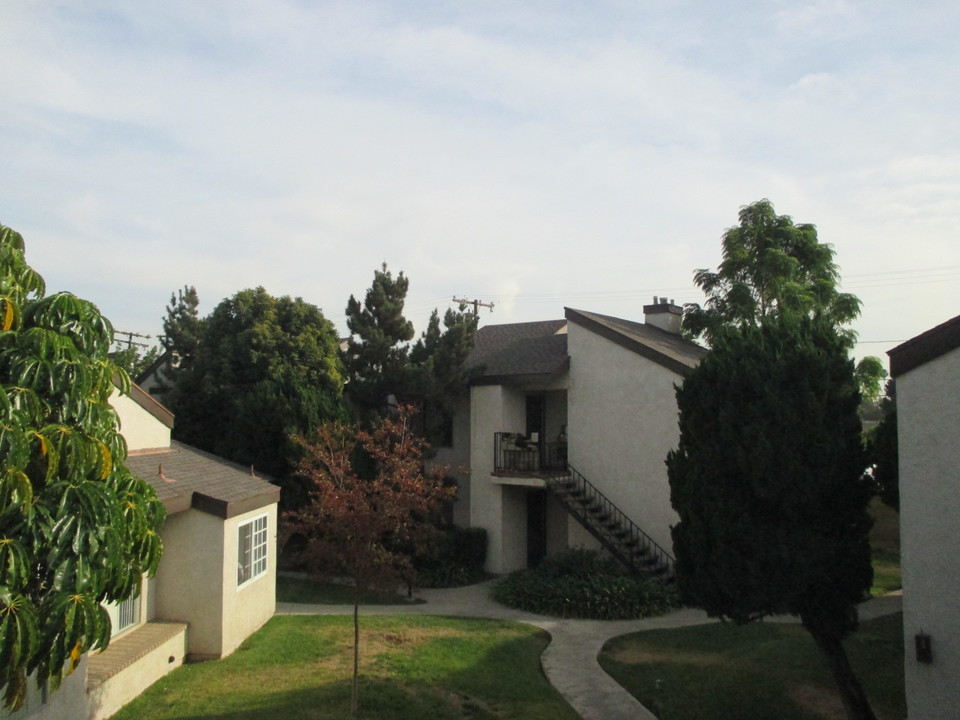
x,y
924,647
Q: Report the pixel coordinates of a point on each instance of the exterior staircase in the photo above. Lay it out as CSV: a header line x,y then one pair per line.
x,y
622,537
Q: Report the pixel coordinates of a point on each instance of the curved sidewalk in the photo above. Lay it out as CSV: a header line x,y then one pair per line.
x,y
570,660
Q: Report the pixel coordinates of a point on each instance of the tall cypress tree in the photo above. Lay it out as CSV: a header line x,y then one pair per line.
x,y
770,485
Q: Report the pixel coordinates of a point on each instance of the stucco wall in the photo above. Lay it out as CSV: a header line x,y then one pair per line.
x,y
486,499
140,429
189,585
197,581
108,697
928,419
68,702
622,422
495,408
247,608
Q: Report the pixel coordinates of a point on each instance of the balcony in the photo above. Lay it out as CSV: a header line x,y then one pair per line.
x,y
517,456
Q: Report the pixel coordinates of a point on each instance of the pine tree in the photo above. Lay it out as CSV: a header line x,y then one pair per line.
x,y
377,356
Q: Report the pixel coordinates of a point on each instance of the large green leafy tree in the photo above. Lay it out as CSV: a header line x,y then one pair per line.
x,y
264,369
769,483
76,528
770,266
377,355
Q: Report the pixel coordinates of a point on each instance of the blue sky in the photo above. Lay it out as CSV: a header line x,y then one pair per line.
x,y
536,154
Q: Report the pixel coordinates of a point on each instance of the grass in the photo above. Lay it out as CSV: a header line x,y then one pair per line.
x,y
885,548
411,667
759,671
303,590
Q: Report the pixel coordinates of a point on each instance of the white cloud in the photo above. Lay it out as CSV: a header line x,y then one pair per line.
x,y
534,154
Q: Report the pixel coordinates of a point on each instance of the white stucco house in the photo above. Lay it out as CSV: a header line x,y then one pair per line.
x,y
589,392
927,374
216,583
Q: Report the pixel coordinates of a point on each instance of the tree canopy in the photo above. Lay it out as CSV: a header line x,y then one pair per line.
x,y
770,267
76,528
769,483
377,355
182,325
438,362
264,369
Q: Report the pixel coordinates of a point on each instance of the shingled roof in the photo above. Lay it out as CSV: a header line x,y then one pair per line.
x,y
185,477
665,348
518,349
925,347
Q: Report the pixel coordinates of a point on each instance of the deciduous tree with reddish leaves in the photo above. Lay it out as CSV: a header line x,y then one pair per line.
x,y
365,529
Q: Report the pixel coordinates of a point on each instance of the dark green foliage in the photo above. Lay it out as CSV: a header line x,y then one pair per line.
x,y
377,358
770,268
265,368
883,450
768,478
870,375
439,372
76,528
769,482
451,557
584,584
182,325
384,371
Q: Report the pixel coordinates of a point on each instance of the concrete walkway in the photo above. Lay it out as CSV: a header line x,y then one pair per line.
x,y
570,660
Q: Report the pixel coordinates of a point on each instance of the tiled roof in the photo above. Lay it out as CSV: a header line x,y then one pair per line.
x,y
665,348
185,477
518,349
925,347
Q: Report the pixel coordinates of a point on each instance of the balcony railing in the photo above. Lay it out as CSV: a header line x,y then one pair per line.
x,y
513,452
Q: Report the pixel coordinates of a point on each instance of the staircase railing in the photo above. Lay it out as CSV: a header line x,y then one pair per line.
x,y
607,523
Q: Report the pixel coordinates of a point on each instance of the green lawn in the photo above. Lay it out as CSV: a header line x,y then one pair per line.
x,y
302,590
412,667
759,671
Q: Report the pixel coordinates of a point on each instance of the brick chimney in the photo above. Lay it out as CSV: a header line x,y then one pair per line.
x,y
663,314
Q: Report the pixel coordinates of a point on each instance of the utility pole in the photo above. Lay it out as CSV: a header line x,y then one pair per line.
x,y
477,304
130,338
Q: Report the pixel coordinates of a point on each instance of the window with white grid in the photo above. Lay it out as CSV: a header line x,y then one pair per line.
x,y
251,549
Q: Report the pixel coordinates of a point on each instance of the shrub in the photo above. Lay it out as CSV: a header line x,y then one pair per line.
x,y
452,557
584,584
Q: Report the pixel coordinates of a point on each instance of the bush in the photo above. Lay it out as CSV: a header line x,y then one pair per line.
x,y
584,584
452,557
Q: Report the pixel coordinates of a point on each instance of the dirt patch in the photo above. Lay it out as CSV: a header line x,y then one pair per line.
x,y
374,643
823,703
642,656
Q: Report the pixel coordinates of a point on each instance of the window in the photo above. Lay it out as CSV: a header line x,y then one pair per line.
x,y
251,549
123,615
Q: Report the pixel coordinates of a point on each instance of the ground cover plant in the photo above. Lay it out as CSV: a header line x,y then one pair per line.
x,y
414,667
584,584
760,670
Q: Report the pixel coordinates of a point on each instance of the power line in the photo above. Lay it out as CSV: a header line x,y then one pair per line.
x,y
477,304
130,338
